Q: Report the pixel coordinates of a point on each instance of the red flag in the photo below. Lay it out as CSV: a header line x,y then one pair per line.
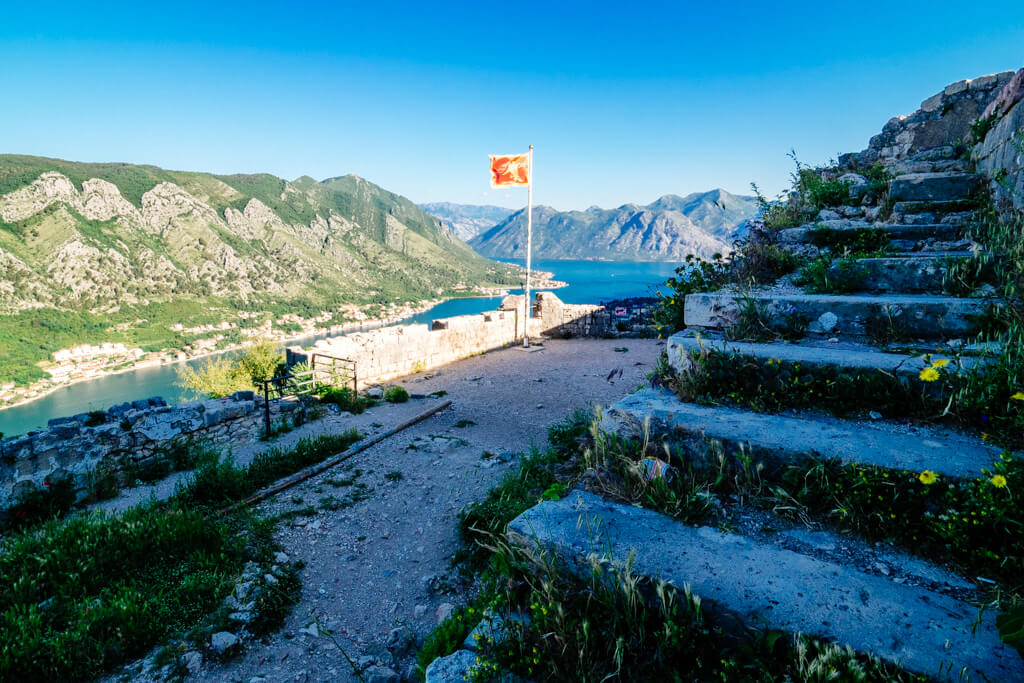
x,y
509,170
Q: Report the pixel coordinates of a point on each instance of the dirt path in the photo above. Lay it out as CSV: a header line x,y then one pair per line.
x,y
369,565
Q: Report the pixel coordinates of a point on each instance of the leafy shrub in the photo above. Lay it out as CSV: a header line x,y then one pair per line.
x,y
224,375
757,259
36,504
396,394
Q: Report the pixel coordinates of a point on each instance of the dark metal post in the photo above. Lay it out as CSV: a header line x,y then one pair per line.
x,y
266,405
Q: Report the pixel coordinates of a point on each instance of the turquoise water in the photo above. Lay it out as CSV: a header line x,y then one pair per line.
x,y
589,282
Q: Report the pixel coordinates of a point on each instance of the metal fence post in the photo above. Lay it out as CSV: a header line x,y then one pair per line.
x,y
266,406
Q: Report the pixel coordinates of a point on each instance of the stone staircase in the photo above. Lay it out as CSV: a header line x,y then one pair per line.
x,y
900,292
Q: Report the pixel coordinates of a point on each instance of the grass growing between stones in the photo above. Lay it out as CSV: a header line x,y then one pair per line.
x,y
607,622
604,622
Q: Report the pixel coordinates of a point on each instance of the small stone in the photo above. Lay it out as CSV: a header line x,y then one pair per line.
x,y
444,611
833,340
380,674
375,392
281,558
874,415
365,662
192,661
243,617
828,215
223,641
882,568
828,321
312,630
270,579
400,641
419,610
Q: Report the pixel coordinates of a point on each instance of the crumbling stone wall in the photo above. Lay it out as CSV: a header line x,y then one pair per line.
x,y
1000,156
126,434
944,119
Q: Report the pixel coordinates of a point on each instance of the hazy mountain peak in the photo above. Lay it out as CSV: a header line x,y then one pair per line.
x,y
669,228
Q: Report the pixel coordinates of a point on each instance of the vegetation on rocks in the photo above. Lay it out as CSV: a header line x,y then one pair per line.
x,y
610,621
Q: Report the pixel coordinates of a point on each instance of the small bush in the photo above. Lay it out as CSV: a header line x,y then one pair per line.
x,y
37,504
396,394
346,399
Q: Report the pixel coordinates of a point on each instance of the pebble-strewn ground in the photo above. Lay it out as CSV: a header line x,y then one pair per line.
x,y
369,566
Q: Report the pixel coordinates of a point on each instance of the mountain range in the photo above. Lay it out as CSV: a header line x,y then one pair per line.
x,y
468,220
667,229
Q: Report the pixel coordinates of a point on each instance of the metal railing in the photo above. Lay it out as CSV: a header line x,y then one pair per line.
x,y
324,370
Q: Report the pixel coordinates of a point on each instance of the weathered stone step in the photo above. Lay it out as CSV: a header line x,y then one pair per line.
x,y
759,584
681,345
778,440
932,187
937,166
911,274
818,234
918,316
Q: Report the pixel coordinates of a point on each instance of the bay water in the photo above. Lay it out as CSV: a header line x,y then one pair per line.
x,y
588,282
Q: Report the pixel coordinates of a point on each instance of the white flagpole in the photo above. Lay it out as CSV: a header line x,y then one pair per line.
x,y
529,248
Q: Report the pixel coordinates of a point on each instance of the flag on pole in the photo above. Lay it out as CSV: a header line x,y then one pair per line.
x,y
510,170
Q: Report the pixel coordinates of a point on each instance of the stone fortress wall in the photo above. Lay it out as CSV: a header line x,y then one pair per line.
x,y
87,445
946,119
391,352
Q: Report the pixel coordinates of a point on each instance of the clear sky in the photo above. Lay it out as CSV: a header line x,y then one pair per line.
x,y
624,101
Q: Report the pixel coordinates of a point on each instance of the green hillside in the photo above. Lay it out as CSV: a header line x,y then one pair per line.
x,y
120,252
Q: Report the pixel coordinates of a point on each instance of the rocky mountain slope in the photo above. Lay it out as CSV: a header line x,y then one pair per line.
x,y
101,250
468,220
669,228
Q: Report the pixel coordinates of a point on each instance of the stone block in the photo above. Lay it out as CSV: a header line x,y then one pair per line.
x,y
931,187
753,582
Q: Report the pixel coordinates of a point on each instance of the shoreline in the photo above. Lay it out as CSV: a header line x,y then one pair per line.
x,y
370,324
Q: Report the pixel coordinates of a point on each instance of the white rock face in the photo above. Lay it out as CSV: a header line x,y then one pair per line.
x,y
44,191
167,201
102,201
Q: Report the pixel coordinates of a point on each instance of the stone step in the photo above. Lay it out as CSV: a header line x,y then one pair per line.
x,y
822,235
738,578
937,166
907,273
681,345
778,440
932,187
915,316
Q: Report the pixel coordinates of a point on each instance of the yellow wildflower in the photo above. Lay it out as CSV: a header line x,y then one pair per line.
x,y
928,477
941,363
1019,396
929,374
999,481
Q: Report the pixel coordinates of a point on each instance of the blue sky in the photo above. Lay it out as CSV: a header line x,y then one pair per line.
x,y
624,102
